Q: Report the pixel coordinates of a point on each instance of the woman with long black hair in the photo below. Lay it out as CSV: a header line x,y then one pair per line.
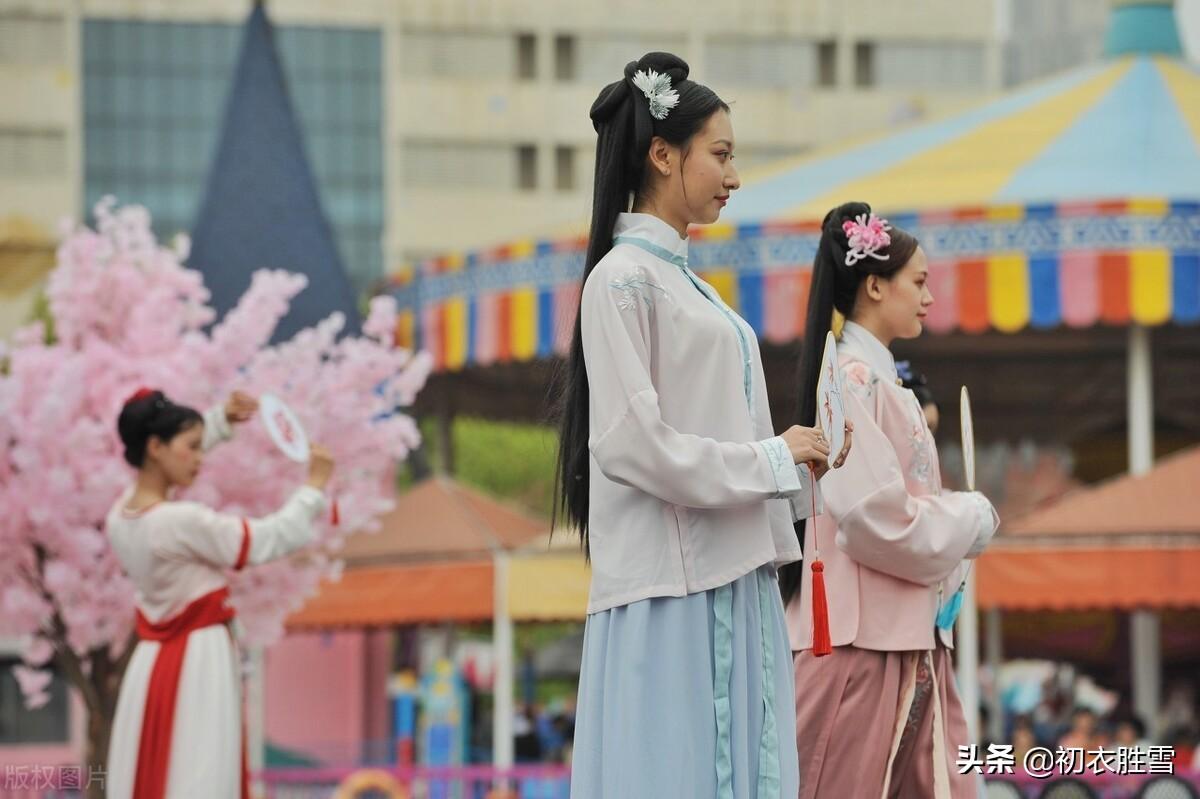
x,y
670,470
881,716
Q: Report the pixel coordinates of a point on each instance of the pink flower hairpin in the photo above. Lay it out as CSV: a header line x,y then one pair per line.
x,y
866,235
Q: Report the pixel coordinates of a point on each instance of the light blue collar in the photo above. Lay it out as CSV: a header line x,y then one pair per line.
x,y
653,235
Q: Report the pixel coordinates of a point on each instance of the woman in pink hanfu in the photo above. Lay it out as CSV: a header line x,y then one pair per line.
x,y
177,732
879,717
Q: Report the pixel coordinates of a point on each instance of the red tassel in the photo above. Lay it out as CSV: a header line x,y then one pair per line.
x,y
333,514
820,607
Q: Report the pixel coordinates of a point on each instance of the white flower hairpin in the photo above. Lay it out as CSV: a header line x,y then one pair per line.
x,y
658,91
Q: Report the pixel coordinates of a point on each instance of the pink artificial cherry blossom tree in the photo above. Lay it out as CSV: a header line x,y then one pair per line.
x,y
126,313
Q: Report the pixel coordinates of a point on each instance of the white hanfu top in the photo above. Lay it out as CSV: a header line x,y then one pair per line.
x,y
689,486
175,552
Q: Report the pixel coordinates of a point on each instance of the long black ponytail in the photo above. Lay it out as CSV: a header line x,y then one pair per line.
x,y
834,286
625,128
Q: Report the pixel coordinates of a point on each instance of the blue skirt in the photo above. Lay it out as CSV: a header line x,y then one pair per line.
x,y
689,698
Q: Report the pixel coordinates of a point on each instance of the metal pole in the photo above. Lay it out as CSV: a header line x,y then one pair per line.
x,y
1145,644
502,640
1140,397
994,641
256,718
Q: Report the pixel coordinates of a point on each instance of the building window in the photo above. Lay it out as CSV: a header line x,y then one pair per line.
x,y
527,167
459,164
827,64
154,96
864,64
46,725
601,57
526,56
564,57
564,168
32,153
30,40
761,62
920,65
440,53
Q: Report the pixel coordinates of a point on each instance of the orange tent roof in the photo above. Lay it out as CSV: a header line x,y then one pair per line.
x,y
401,594
430,561
1164,500
1131,542
439,519
1085,579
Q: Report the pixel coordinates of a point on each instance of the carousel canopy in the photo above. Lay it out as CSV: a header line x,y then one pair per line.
x,y
1073,202
1124,129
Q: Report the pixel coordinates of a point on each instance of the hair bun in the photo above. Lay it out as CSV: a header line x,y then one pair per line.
x,y
840,215
610,100
150,413
667,64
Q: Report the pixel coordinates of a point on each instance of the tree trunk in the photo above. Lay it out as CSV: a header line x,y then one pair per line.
x,y
99,684
98,681
96,766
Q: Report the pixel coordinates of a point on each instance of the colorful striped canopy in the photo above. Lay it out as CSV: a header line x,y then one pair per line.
x,y
1073,202
1125,128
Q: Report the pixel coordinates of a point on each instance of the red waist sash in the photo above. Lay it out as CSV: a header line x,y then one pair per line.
x,y
154,749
